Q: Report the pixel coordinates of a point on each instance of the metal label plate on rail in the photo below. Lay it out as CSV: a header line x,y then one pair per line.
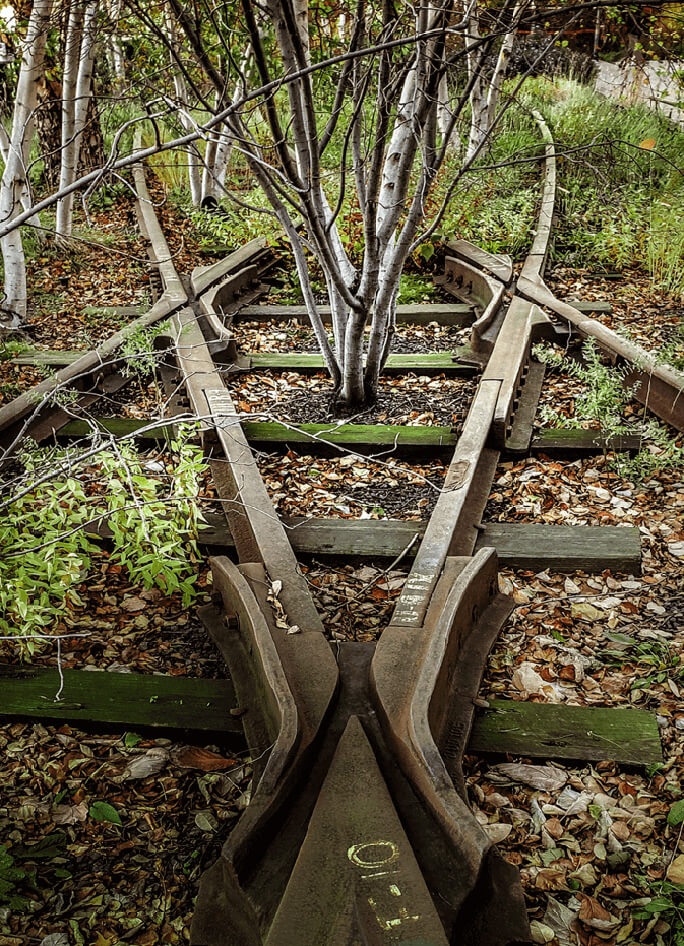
x,y
221,408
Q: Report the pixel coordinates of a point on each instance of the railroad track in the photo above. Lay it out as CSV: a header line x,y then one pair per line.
x,y
359,828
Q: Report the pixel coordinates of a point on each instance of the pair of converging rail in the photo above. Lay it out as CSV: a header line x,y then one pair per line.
x,y
359,830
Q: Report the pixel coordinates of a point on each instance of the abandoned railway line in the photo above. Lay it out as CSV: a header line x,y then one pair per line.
x,y
359,828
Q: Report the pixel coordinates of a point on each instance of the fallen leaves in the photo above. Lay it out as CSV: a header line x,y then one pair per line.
x,y
194,757
152,762
592,914
542,777
675,870
351,487
70,814
408,399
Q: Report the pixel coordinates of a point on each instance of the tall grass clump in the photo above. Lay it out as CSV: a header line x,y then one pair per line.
x,y
494,204
621,177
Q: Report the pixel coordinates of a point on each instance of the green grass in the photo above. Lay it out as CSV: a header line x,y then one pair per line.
x,y
620,176
621,182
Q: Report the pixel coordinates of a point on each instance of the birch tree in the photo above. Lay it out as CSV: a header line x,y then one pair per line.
x,y
382,120
486,83
184,111
79,55
14,185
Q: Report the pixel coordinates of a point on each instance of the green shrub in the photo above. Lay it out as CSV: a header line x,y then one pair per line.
x,y
48,524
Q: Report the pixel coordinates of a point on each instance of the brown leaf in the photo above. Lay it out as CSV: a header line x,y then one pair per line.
x,y
675,872
192,757
70,814
142,766
545,778
133,604
548,878
594,915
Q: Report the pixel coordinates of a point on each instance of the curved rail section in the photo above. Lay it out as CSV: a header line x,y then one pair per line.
x,y
657,386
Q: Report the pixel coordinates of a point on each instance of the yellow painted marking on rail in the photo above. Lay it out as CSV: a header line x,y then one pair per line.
x,y
376,857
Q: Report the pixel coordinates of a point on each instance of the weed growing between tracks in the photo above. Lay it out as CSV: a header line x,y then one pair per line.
x,y
603,403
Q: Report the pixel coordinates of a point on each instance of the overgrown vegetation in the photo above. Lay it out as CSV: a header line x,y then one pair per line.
x,y
603,404
49,524
621,179
139,352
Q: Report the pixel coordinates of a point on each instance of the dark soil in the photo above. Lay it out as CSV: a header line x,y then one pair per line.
x,y
410,400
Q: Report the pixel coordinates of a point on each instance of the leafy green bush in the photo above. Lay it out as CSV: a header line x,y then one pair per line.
x,y
233,224
48,524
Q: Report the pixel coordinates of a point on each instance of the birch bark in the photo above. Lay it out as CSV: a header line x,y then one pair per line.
x,y
484,96
77,90
118,60
14,182
183,111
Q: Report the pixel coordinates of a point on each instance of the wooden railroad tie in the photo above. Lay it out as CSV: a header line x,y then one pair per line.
x,y
530,546
201,709
551,441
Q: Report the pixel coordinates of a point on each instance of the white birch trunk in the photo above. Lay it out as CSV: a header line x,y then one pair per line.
x,y
478,92
25,196
14,180
220,145
224,150
501,65
118,59
181,93
484,97
443,111
76,92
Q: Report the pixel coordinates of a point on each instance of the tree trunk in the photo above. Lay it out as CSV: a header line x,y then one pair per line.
x,y
114,50
48,128
25,197
14,179
183,108
69,147
76,95
484,96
